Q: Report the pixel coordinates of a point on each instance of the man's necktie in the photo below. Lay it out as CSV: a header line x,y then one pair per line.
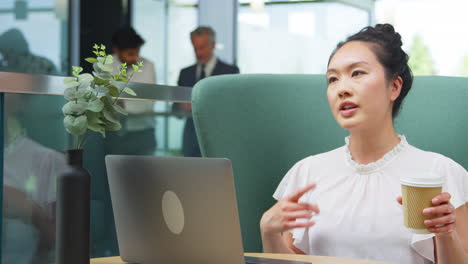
x,y
202,73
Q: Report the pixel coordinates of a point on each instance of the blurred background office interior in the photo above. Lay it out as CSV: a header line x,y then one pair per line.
x,y
47,37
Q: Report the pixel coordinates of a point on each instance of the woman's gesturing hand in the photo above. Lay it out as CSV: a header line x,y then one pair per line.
x,y
282,216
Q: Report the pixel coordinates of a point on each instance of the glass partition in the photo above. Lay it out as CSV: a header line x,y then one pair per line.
x,y
35,141
33,39
33,158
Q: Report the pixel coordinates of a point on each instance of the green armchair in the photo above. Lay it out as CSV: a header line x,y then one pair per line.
x,y
265,123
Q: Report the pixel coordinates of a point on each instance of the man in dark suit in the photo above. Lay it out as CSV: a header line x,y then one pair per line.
x,y
203,41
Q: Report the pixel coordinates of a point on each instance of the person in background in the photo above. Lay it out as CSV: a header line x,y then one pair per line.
x,y
137,137
204,42
353,210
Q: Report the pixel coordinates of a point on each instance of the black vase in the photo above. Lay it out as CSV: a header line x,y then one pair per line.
x,y
73,211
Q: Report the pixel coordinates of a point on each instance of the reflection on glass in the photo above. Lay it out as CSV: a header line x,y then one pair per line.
x,y
30,172
17,57
33,37
34,141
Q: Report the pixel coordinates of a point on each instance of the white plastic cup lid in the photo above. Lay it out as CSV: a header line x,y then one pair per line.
x,y
422,180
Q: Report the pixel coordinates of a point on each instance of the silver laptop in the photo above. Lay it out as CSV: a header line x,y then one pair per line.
x,y
175,210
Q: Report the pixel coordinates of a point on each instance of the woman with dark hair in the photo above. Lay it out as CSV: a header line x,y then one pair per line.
x,y
356,185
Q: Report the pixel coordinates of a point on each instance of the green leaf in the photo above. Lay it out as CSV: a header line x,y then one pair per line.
x,y
113,91
75,125
109,59
103,67
119,109
123,65
98,72
74,108
98,128
124,72
120,78
96,46
84,84
101,59
140,64
96,53
116,84
95,123
107,100
77,69
73,93
91,60
102,53
103,47
135,67
99,81
103,75
113,126
89,95
95,106
111,115
86,77
71,82
106,60
129,91
94,117
101,89
68,80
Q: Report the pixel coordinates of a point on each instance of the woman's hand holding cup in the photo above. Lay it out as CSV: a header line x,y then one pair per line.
x,y
443,213
283,215
419,191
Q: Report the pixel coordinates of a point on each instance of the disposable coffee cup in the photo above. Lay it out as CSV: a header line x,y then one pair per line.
x,y
418,190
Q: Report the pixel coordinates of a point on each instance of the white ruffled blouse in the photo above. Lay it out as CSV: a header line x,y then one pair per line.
x,y
359,215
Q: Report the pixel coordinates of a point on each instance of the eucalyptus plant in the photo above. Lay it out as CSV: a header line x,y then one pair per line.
x,y
92,98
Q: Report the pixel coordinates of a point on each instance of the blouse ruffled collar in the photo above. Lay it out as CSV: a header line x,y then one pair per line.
x,y
376,165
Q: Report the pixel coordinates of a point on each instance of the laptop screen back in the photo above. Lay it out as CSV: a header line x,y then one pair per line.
x,y
174,210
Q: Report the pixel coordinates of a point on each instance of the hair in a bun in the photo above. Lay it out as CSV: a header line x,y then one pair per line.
x,y
387,48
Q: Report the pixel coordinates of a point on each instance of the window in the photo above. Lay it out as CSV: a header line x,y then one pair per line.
x,y
293,37
436,39
166,26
